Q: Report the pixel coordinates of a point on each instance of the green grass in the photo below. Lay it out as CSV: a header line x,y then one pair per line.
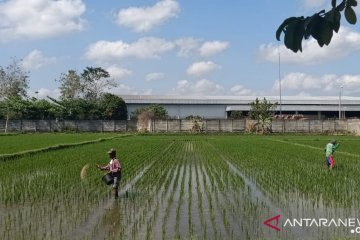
x,y
22,142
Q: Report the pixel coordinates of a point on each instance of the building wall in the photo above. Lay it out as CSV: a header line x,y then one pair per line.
x,y
181,111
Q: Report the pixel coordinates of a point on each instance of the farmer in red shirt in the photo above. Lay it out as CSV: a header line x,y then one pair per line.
x,y
114,168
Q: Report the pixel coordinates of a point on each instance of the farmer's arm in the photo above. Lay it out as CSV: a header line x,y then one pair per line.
x,y
336,146
107,167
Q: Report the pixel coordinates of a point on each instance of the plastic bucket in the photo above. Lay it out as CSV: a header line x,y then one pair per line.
x,y
108,179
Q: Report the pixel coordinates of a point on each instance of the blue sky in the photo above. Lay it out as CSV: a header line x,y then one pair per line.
x,y
202,47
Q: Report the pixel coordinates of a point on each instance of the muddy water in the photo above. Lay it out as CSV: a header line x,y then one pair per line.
x,y
171,223
94,218
163,205
184,218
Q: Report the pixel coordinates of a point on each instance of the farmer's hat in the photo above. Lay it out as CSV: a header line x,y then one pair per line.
x,y
333,141
112,151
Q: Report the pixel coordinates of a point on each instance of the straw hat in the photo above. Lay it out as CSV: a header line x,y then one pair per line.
x,y
112,151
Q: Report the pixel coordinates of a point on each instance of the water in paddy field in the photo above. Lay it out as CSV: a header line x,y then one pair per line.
x,y
187,190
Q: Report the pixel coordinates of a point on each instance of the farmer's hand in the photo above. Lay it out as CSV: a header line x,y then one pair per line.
x,y
98,166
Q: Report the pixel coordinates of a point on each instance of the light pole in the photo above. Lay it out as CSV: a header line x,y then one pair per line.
x,y
279,80
341,87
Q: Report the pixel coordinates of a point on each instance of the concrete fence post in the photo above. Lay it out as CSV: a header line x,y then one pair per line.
x,y
180,125
283,125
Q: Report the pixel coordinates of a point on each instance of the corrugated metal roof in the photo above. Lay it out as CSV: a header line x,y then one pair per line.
x,y
179,99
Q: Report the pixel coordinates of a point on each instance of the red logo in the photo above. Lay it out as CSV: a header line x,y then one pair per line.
x,y
270,225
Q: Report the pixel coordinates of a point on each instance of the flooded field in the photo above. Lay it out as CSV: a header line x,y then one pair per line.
x,y
185,187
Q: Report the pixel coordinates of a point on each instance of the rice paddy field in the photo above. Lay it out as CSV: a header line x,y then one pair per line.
x,y
178,187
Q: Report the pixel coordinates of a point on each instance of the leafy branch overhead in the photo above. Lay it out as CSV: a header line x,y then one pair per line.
x,y
320,26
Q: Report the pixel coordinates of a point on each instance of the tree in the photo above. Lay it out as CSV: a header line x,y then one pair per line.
x,y
320,25
262,112
144,114
70,85
112,107
14,83
159,111
94,81
14,80
156,111
236,115
14,107
41,109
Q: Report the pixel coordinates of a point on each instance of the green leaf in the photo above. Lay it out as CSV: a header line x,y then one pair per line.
x,y
333,17
352,3
321,12
294,34
283,26
333,3
307,26
350,15
317,28
341,6
330,15
326,32
336,23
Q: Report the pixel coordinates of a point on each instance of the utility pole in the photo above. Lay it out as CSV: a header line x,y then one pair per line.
x,y
341,87
280,80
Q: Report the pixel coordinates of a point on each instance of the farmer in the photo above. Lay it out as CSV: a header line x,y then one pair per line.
x,y
329,151
114,168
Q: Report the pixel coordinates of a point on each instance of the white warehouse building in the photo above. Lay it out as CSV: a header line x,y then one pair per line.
x,y
220,107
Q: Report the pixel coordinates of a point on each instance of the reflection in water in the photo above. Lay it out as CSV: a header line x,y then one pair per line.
x,y
112,220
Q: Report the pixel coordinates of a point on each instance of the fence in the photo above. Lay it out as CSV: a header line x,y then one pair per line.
x,y
179,125
277,126
69,125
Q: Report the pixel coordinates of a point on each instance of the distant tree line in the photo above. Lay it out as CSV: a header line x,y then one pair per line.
x,y
83,96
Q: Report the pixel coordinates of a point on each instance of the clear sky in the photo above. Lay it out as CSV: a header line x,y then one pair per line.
x,y
188,47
